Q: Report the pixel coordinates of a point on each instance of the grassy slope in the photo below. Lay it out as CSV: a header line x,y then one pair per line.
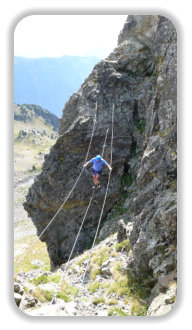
x,y
29,152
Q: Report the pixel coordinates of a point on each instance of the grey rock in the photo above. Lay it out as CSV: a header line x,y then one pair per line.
x,y
48,286
122,231
163,303
106,263
139,26
76,269
17,287
37,263
105,272
30,287
129,228
28,302
159,307
17,298
165,280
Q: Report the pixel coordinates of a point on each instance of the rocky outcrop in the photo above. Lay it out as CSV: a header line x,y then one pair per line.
x,y
139,78
153,237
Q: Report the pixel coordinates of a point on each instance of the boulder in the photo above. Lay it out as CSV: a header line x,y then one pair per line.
x,y
17,298
28,302
163,302
17,287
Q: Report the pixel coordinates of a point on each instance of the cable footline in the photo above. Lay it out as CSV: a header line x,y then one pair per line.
x,y
94,123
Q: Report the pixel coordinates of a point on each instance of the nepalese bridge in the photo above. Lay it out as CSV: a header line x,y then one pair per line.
x,y
86,212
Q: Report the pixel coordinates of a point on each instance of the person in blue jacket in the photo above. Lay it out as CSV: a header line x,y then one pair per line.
x,y
97,162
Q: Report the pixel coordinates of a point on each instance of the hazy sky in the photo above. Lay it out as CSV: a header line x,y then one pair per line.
x,y
58,35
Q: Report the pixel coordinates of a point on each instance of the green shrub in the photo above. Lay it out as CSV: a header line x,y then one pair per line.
x,y
48,295
79,262
119,287
69,290
43,295
116,311
42,279
54,278
162,249
100,257
94,273
126,180
138,309
98,300
140,124
137,289
93,287
134,150
124,245
63,296
112,302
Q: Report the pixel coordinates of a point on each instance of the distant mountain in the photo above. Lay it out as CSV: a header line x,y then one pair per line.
x,y
31,114
49,82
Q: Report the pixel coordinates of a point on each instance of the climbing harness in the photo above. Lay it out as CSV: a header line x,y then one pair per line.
x,y
94,123
53,301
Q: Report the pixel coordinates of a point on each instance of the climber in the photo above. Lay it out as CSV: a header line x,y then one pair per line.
x,y
98,162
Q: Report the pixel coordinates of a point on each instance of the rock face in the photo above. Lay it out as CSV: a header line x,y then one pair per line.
x,y
139,78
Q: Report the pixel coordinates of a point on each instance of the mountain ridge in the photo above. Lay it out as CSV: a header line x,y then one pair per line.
x,y
29,112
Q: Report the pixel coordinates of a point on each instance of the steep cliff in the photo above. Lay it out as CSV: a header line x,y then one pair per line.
x,y
139,79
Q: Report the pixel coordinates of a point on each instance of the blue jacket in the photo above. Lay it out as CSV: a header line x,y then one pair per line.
x,y
97,166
